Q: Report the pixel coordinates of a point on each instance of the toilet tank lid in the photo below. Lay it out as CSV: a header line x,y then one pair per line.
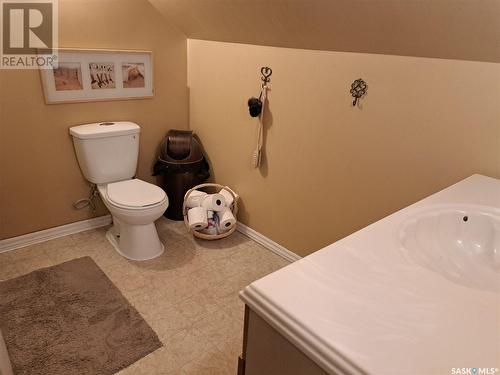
x,y
104,129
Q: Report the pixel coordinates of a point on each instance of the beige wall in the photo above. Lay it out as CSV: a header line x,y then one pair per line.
x,y
39,175
330,169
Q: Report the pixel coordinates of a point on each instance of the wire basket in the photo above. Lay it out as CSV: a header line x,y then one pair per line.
x,y
234,210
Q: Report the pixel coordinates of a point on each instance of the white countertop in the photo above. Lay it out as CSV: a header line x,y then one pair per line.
x,y
360,306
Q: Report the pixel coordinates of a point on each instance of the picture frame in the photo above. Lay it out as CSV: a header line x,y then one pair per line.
x,y
89,75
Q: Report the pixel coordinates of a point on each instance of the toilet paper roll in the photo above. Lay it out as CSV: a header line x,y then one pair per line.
x,y
195,198
226,220
228,196
210,214
197,218
214,202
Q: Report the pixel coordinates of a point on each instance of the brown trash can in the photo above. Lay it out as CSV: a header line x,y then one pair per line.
x,y
180,165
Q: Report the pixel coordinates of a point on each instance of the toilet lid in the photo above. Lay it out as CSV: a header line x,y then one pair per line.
x,y
135,193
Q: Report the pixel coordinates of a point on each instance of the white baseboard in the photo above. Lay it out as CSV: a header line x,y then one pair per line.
x,y
51,233
80,226
268,243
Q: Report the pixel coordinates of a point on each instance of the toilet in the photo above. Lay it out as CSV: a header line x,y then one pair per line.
x,y
107,153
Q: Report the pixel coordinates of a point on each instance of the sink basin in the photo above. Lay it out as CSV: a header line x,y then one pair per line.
x,y
461,243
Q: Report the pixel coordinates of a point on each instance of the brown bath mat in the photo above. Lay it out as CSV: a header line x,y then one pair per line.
x,y
71,319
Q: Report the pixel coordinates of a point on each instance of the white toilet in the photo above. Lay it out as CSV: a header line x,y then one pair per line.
x,y
107,154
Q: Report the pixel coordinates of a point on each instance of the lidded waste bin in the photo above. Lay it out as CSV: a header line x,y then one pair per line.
x,y
180,165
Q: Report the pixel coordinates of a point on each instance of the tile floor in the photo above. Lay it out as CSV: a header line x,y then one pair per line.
x,y
189,295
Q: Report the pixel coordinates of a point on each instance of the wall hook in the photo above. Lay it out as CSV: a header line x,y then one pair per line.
x,y
266,73
358,89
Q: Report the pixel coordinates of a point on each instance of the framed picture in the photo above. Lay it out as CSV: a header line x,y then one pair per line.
x,y
97,75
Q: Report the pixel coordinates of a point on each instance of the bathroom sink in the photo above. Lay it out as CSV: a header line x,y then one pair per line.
x,y
461,243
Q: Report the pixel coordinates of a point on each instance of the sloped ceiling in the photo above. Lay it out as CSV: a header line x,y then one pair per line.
x,y
453,29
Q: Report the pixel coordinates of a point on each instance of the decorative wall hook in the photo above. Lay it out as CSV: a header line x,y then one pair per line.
x,y
358,89
266,73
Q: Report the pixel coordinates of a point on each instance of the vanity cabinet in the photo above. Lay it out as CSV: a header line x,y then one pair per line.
x,y
266,351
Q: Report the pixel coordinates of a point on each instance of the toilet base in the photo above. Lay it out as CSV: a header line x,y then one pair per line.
x,y
135,242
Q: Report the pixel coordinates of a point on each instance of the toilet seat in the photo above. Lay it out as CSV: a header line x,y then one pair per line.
x,y
134,194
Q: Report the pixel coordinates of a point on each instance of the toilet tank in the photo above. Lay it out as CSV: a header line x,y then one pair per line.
x,y
107,151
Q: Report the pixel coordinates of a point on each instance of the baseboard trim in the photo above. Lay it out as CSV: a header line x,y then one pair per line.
x,y
51,233
268,243
80,226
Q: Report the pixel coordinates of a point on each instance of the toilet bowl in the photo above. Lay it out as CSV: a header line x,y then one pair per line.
x,y
134,205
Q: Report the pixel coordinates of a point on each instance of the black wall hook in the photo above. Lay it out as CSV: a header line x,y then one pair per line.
x,y
358,89
266,73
